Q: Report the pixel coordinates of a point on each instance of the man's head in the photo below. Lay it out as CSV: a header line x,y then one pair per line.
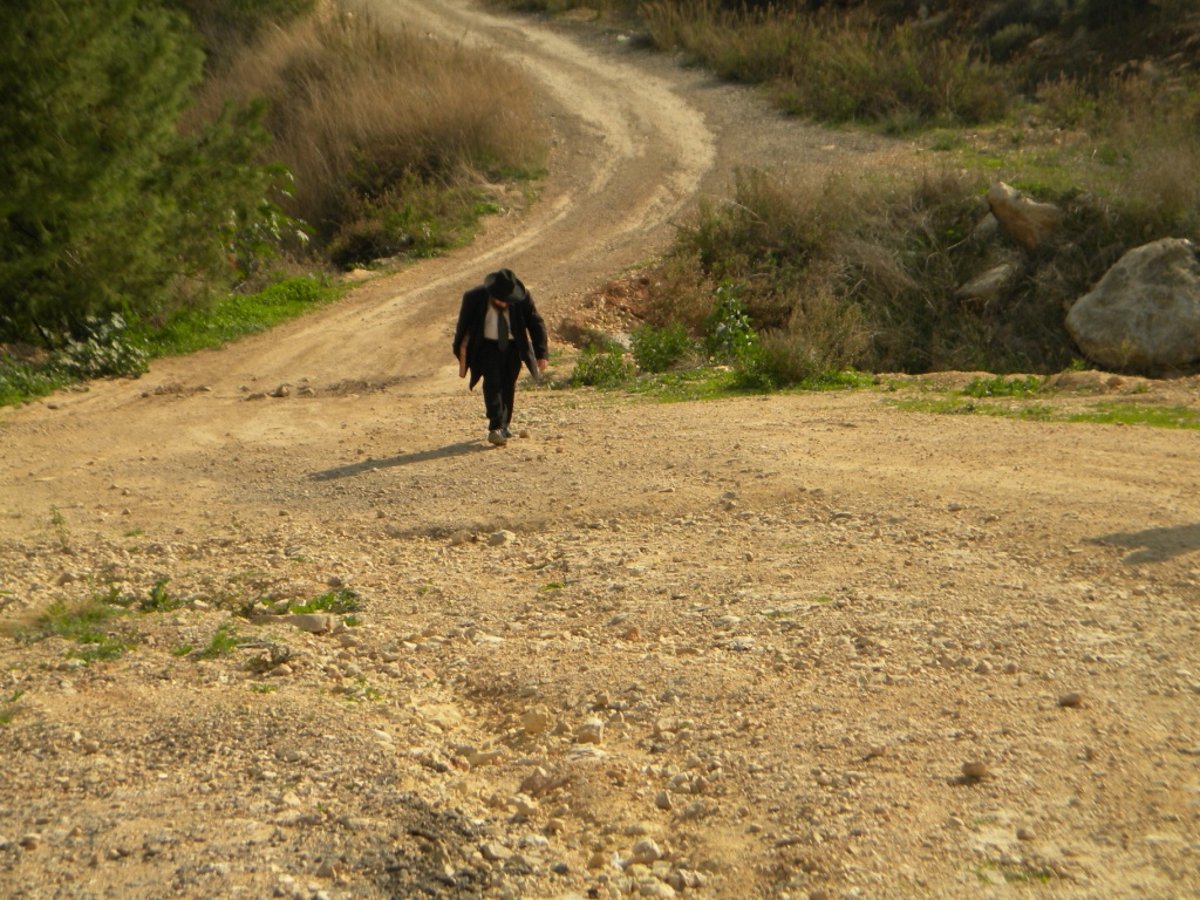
x,y
503,285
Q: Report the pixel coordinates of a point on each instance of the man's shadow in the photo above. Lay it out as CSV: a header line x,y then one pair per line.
x,y
404,459
1157,544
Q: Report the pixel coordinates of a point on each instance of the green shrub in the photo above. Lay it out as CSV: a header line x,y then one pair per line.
x,y
729,335
602,367
107,203
659,349
22,381
107,350
86,623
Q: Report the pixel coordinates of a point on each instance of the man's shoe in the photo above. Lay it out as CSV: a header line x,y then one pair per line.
x,y
505,431
496,436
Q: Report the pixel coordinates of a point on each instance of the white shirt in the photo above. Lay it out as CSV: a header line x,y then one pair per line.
x,y
491,330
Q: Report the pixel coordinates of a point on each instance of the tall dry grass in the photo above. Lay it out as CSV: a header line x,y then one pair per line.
x,y
370,119
864,273
837,66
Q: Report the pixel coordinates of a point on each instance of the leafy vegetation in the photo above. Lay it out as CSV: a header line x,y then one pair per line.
x,y
223,642
602,367
107,205
9,707
113,348
660,349
341,600
87,623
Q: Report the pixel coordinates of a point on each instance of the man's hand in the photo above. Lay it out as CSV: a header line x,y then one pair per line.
x,y
542,365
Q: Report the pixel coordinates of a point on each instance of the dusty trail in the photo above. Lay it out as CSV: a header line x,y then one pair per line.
x,y
726,649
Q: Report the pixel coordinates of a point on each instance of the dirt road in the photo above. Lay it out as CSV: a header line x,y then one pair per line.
x,y
810,646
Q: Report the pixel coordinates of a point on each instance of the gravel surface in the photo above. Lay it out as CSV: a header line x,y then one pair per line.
x,y
808,645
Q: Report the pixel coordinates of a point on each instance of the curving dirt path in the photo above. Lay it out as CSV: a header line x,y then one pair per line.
x,y
727,649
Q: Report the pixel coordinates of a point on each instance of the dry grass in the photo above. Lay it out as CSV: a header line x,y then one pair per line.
x,y
362,114
843,66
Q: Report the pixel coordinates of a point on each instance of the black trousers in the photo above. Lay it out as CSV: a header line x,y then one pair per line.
x,y
500,371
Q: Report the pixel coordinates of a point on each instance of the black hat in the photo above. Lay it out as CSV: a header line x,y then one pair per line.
x,y
504,285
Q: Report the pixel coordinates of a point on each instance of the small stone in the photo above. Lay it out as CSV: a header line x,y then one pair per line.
x,y
590,732
501,538
646,851
494,852
536,721
975,770
31,841
1071,699
1026,834
663,800
313,623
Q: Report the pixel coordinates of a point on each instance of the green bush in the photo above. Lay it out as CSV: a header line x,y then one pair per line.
x,y
106,203
659,349
107,350
602,367
729,334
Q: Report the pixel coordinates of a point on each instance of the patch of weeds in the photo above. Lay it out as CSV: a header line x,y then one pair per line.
x,y
342,600
259,688
687,385
823,598
1135,414
1103,414
838,381
553,586
1003,387
604,368
9,708
1014,873
352,621
944,141
58,523
182,650
159,599
660,349
361,690
82,623
224,642
134,532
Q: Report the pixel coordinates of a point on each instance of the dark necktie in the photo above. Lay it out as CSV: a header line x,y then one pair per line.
x,y
502,330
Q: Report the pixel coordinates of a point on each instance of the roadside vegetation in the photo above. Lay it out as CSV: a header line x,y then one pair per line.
x,y
1093,106
178,173
251,151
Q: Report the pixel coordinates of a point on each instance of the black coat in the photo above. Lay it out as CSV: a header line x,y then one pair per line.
x,y
528,330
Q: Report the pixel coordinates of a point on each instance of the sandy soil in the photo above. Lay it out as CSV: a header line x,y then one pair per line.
x,y
809,646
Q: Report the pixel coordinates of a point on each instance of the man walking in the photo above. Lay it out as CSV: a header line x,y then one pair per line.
x,y
498,330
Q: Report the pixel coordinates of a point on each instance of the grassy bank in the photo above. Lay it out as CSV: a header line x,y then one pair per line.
x,y
117,349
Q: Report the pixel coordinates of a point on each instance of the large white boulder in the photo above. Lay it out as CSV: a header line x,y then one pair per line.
x,y
1144,314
